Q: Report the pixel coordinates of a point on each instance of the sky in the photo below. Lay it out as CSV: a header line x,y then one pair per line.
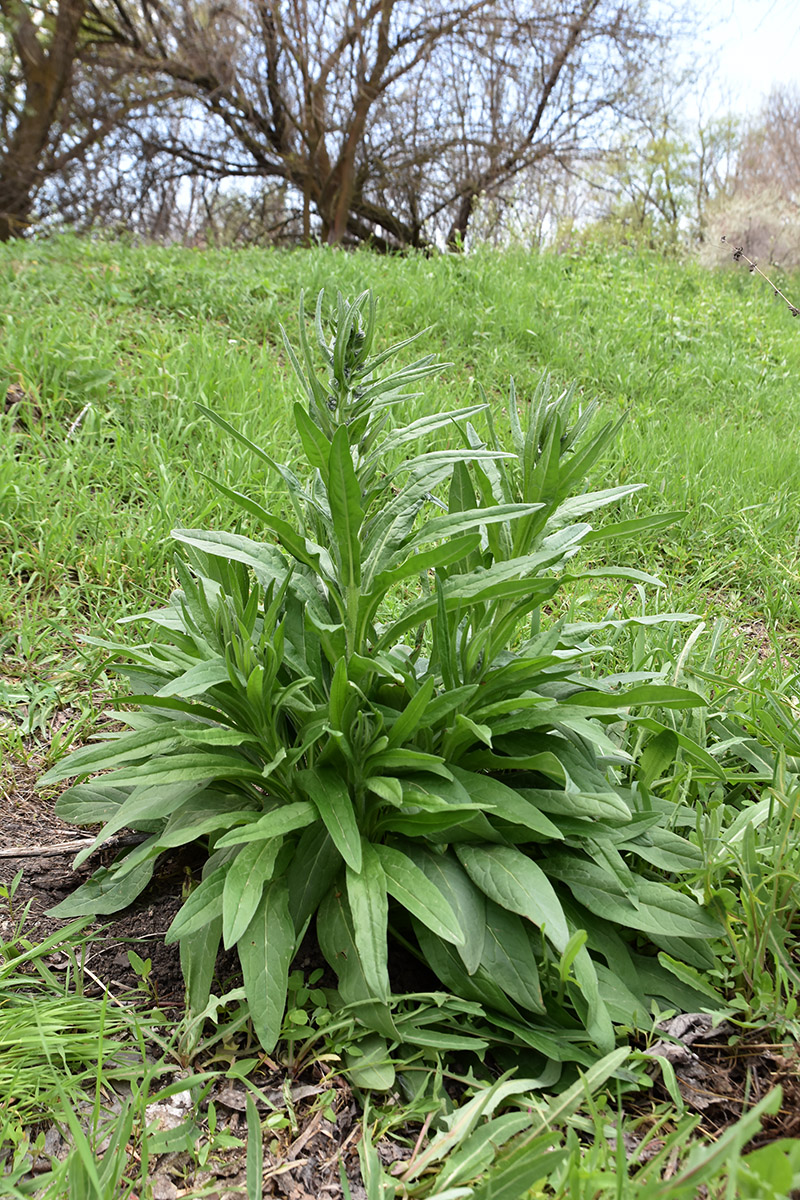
x,y
755,44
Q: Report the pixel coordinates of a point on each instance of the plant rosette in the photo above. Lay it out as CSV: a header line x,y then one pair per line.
x,y
364,717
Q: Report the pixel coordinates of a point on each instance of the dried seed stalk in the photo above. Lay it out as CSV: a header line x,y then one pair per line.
x,y
740,256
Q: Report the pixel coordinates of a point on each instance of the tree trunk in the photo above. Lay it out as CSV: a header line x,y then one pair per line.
x,y
46,72
458,230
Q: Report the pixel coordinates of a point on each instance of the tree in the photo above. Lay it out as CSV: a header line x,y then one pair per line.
x,y
769,155
63,94
760,209
666,167
39,47
383,120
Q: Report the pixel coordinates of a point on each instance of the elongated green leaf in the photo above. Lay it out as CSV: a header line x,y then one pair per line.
x,y
403,759
543,478
446,814
165,707
668,851
239,499
344,497
592,877
328,792
635,527
433,793
507,804
508,957
337,943
339,694
265,950
105,893
372,1066
311,873
417,1034
143,804
301,549
201,907
390,383
412,888
198,960
410,718
244,883
657,756
462,495
585,993
198,680
387,787
198,766
661,695
615,573
205,735
312,386
190,823
424,426
585,805
235,433
656,907
577,467
676,915
90,803
586,502
439,827
369,908
443,652
515,882
462,521
129,747
698,980
277,822
254,1171
694,752
465,900
315,443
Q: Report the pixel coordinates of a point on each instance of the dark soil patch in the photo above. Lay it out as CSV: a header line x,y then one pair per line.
x,y
47,847
721,1075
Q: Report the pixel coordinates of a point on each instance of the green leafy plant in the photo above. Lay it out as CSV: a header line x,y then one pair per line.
x,y
369,721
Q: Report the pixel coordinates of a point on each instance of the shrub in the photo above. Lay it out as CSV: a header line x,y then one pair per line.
x,y
368,723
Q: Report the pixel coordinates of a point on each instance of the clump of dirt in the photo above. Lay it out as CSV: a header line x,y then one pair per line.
x,y
22,406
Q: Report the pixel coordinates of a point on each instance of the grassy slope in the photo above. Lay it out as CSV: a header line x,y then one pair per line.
x,y
705,364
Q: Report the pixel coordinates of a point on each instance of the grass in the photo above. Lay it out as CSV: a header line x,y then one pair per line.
x,y
105,350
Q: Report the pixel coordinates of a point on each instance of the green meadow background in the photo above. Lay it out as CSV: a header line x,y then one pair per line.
x,y
124,340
